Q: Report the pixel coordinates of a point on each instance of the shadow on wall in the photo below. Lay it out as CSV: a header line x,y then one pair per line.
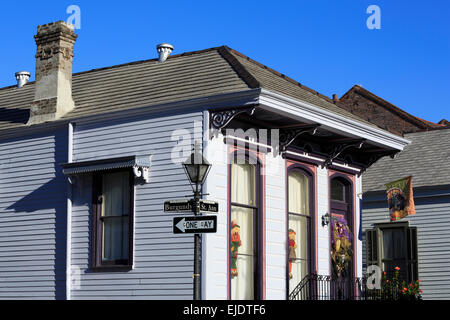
x,y
49,199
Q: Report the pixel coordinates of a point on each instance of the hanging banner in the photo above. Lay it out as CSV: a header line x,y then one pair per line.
x,y
341,246
400,198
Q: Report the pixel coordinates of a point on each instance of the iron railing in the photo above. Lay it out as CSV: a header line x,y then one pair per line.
x,y
323,287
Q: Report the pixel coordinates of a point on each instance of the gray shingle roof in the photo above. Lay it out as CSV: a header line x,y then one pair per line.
x,y
427,159
146,83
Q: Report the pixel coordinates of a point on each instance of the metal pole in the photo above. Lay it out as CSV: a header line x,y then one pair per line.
x,y
197,244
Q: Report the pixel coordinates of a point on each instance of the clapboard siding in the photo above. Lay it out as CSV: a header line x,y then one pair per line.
x,y
433,236
33,216
163,262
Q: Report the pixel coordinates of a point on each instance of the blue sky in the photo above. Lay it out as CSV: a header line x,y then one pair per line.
x,y
324,44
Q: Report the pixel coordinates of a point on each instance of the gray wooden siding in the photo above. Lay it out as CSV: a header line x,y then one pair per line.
x,y
163,262
33,217
433,236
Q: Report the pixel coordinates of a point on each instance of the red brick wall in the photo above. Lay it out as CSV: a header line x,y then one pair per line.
x,y
377,114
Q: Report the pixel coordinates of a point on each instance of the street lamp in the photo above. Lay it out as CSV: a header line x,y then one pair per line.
x,y
196,168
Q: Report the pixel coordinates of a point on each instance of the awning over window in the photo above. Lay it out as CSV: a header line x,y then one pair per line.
x,y
139,164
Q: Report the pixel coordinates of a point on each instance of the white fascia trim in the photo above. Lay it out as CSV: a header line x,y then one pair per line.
x,y
307,156
252,142
306,112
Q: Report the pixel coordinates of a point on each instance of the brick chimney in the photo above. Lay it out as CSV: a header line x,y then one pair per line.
x,y
53,87
335,98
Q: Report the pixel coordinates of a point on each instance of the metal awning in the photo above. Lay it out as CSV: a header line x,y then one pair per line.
x,y
139,164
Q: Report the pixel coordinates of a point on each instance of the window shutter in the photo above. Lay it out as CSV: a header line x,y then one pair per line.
x,y
411,234
371,247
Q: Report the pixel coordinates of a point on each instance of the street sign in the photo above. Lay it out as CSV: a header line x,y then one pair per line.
x,y
178,206
187,206
196,224
209,206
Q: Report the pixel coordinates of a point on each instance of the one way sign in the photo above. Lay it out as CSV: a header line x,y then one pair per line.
x,y
198,224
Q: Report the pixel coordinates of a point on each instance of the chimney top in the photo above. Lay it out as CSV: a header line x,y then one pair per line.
x,y
53,86
335,98
164,51
22,78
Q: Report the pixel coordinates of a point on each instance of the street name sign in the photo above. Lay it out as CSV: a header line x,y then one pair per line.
x,y
196,224
187,205
178,206
209,206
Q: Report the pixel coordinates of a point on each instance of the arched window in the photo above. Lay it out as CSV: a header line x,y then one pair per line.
x,y
244,257
299,242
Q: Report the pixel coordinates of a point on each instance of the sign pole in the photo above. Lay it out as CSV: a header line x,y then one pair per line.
x,y
197,245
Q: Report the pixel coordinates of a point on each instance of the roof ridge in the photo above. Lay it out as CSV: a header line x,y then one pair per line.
x,y
281,75
249,79
189,53
431,122
426,124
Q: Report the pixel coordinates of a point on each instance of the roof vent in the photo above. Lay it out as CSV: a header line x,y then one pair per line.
x,y
164,51
22,78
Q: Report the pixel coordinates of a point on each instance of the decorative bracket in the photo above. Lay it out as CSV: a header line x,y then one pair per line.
x,y
374,158
221,118
142,172
341,147
288,136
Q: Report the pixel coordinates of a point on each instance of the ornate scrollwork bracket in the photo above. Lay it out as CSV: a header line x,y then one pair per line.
x,y
339,148
288,136
221,118
142,173
374,158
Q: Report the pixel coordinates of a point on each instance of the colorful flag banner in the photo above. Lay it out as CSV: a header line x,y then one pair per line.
x,y
400,198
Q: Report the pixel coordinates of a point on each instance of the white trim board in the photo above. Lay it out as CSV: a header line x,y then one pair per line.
x,y
306,112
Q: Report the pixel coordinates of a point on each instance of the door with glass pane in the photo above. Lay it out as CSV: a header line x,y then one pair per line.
x,y
393,251
392,245
299,232
341,234
244,230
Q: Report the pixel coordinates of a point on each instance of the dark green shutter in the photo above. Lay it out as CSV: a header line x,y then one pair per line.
x,y
411,235
371,247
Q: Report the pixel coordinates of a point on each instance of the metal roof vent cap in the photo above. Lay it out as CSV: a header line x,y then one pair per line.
x,y
164,51
22,78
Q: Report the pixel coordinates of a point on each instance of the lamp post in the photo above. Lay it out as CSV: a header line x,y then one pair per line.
x,y
196,168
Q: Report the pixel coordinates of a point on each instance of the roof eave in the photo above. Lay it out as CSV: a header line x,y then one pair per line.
x,y
307,112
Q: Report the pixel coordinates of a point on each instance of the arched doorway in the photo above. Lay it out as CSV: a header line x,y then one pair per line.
x,y
341,234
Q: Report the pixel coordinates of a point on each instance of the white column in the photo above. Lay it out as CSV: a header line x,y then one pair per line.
x,y
323,232
276,226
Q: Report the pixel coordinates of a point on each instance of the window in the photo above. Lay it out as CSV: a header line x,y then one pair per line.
x,y
245,279
299,233
338,189
393,245
112,226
